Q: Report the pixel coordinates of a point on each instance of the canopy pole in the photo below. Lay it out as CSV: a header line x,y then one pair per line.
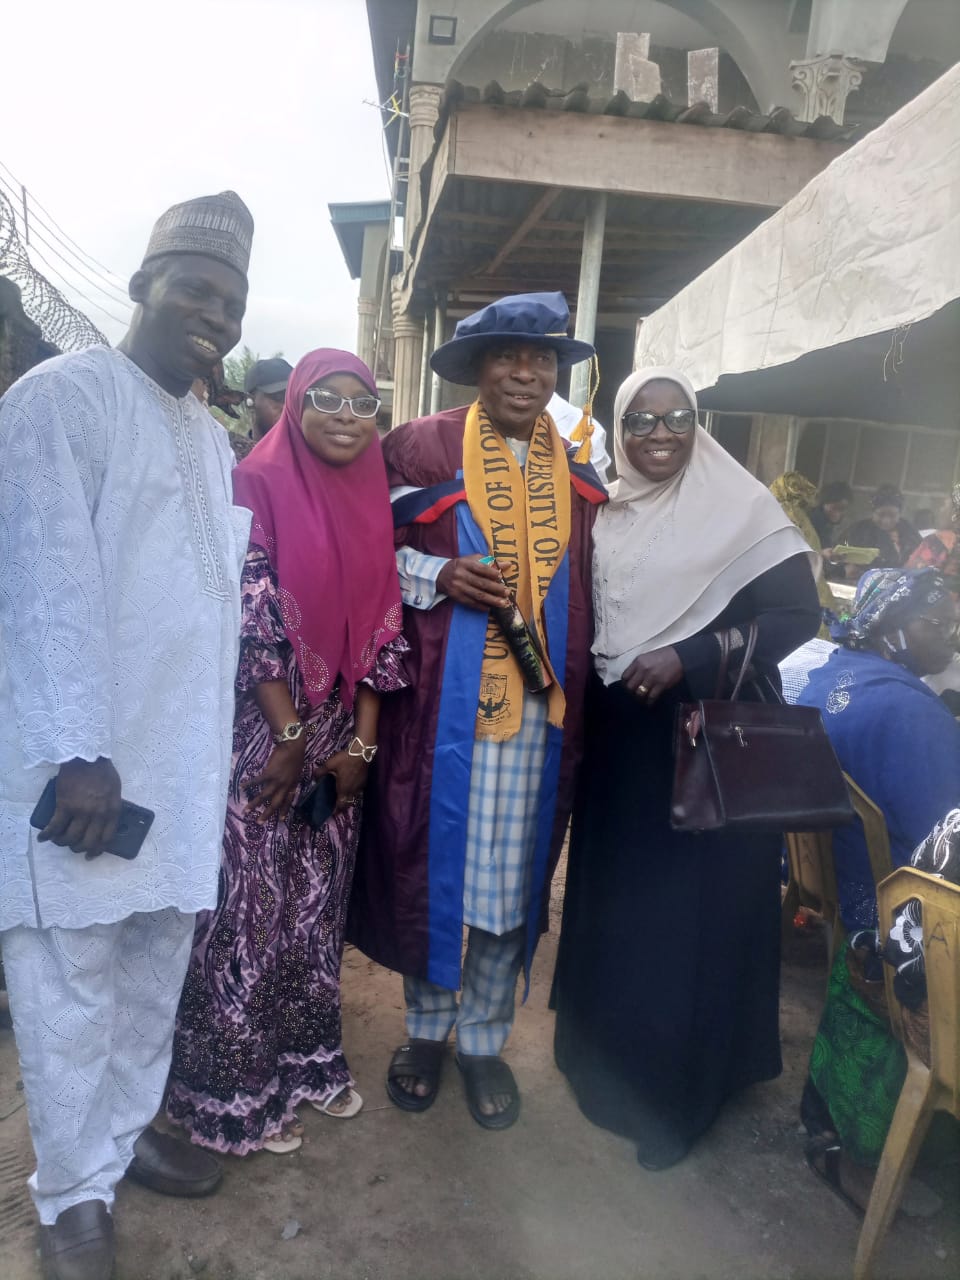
x,y
588,294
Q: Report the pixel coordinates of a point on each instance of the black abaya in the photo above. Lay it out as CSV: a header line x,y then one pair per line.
x,y
667,979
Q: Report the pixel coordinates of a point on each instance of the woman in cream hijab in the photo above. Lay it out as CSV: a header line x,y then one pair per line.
x,y
668,970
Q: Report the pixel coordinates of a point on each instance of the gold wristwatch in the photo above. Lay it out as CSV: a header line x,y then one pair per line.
x,y
289,733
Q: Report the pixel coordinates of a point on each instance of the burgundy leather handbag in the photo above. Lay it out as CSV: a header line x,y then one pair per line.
x,y
754,766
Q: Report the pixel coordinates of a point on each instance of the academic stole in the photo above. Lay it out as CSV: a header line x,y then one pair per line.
x,y
525,518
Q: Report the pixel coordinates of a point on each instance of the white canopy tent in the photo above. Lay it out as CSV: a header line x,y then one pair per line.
x,y
815,307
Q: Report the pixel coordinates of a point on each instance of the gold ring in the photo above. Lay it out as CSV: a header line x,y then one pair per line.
x,y
642,688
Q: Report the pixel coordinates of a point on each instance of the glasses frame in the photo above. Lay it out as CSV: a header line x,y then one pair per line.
x,y
949,628
312,393
657,417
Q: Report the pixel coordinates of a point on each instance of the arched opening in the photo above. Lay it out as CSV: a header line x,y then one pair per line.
x,y
564,42
924,44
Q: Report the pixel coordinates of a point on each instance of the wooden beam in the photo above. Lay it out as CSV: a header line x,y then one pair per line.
x,y
533,216
449,222
638,157
625,242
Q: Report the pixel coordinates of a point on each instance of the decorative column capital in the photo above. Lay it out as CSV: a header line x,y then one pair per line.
x,y
825,84
405,323
424,105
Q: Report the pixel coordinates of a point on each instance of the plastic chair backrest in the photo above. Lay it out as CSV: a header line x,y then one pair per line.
x,y
874,830
810,856
940,906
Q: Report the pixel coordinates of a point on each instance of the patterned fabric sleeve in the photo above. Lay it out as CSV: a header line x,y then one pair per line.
x,y
264,646
418,577
52,606
389,671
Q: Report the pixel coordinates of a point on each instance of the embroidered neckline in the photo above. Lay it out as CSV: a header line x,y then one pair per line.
x,y
165,398
178,413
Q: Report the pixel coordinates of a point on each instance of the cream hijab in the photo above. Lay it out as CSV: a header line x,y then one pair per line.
x,y
669,556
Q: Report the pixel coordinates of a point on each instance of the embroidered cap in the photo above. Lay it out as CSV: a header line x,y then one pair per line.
x,y
219,226
522,317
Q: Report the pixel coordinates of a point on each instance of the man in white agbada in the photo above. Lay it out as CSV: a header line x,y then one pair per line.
x,y
120,556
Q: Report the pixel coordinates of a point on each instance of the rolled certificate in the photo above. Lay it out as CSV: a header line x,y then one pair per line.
x,y
522,641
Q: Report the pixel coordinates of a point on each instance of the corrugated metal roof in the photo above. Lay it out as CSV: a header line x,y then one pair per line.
x,y
539,97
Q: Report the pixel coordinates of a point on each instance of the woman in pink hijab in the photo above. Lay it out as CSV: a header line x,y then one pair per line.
x,y
259,1027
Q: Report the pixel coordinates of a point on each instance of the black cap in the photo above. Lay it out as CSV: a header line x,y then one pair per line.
x,y
269,376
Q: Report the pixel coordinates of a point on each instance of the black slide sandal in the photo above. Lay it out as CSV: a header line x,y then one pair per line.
x,y
485,1077
420,1058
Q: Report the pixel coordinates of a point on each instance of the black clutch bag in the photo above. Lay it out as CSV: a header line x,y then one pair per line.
x,y
754,766
318,804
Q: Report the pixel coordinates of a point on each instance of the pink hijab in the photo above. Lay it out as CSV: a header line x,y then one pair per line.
x,y
328,534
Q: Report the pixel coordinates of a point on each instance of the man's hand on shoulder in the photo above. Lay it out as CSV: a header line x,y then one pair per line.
x,y
88,807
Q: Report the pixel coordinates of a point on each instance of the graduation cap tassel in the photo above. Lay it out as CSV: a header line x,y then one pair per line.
x,y
583,431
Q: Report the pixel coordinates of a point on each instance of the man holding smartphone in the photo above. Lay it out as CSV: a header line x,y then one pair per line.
x,y
120,555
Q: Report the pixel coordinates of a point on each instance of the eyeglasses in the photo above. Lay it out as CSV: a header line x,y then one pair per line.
x,y
679,421
325,401
948,628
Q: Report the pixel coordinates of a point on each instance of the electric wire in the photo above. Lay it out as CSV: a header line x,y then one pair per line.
x,y
117,297
63,325
92,261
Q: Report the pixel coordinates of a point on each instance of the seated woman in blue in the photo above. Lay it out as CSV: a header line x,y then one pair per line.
x,y
901,745
892,735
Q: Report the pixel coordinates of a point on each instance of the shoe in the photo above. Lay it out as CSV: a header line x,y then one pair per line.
x,y
661,1151
486,1077
283,1146
79,1245
171,1167
342,1106
421,1060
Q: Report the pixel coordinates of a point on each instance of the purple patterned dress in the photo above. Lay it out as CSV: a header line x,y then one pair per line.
x,y
258,1029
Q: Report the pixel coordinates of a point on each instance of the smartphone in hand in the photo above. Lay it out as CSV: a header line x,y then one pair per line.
x,y
132,828
318,805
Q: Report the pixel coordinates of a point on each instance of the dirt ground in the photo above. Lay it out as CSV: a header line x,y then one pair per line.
x,y
390,1196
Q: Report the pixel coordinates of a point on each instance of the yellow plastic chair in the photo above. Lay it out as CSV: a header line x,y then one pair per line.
x,y
928,1087
874,829
813,883
813,880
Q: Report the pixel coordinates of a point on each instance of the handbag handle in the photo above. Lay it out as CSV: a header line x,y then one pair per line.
x,y
723,639
747,659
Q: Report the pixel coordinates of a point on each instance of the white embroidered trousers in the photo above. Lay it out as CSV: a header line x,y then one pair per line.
x,y
93,1012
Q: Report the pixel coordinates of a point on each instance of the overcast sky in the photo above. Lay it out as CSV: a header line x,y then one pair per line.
x,y
116,109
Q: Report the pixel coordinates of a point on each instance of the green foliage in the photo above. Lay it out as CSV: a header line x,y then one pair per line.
x,y
236,367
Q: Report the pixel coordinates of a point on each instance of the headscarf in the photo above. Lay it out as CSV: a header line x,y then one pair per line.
x,y
887,600
670,555
797,496
328,534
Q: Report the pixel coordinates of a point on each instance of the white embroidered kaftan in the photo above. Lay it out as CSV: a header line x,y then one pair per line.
x,y
120,558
